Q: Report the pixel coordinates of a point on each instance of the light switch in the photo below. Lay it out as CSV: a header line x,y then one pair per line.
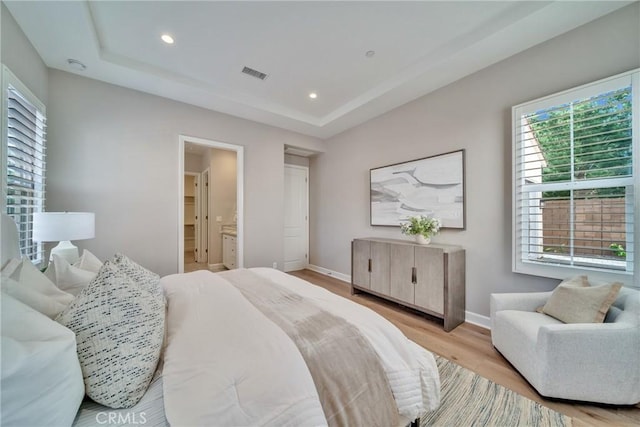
x,y
218,219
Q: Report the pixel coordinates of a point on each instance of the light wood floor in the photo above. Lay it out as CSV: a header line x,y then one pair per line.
x,y
470,346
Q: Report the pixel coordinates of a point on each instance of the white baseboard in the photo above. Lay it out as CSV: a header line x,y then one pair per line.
x,y
473,318
327,272
477,319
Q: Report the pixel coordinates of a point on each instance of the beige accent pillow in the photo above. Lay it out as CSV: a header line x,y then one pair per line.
x,y
581,281
573,304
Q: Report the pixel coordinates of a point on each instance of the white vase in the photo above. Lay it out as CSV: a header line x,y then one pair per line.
x,y
421,240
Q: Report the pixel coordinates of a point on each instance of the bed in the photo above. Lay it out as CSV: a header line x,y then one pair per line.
x,y
243,347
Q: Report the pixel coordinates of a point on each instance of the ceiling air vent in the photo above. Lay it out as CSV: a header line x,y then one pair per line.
x,y
254,73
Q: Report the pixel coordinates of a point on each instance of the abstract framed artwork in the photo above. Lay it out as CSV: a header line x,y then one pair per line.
x,y
433,186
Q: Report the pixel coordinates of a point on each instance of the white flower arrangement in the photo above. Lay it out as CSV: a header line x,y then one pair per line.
x,y
422,225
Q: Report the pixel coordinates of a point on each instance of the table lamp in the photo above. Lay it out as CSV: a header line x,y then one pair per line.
x,y
63,227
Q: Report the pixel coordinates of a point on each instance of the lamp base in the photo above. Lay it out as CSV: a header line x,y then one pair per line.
x,y
66,250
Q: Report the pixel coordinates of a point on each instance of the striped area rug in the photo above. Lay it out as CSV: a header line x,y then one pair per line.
x,y
467,399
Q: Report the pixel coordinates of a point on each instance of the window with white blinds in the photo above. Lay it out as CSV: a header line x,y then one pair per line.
x,y
576,182
24,159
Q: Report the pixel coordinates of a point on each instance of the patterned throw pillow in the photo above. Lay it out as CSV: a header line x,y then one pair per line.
x,y
119,327
146,279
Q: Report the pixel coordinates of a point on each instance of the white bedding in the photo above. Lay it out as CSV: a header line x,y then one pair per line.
x,y
227,364
411,370
148,412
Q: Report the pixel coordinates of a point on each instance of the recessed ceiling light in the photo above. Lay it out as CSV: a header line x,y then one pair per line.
x,y
370,53
76,65
167,39
313,95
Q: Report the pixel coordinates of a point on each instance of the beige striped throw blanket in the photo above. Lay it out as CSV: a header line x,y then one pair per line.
x,y
347,373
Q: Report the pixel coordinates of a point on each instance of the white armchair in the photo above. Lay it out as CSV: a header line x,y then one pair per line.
x,y
595,362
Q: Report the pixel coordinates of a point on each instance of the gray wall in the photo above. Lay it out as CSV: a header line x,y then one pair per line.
x,y
20,56
222,198
114,151
17,53
475,114
194,163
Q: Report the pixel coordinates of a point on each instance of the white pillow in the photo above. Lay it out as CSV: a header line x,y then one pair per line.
x,y
41,379
119,326
88,262
68,277
11,266
23,281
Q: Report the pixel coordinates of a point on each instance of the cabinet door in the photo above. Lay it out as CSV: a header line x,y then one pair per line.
x,y
225,250
429,290
361,253
379,280
401,269
231,252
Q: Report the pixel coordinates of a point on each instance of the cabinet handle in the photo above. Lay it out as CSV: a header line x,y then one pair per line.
x,y
369,265
414,278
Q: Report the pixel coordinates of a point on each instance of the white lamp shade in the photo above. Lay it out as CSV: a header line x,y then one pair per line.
x,y
59,226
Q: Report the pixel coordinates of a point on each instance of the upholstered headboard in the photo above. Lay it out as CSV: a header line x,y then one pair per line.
x,y
10,245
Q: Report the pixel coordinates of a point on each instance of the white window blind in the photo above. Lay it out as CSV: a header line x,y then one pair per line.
x,y
24,145
576,182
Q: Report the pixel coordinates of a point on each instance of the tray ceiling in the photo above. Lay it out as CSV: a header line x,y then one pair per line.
x,y
360,58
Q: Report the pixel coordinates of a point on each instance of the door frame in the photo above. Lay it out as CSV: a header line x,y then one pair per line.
x,y
306,225
239,192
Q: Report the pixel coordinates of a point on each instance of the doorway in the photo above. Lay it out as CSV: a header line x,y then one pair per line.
x,y
296,217
205,144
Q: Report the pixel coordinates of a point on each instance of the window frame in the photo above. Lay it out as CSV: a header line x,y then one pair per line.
x,y
10,79
558,270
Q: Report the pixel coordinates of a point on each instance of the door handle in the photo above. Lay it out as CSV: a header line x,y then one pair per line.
x,y
414,276
369,265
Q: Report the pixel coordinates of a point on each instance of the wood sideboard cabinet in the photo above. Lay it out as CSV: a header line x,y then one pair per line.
x,y
428,278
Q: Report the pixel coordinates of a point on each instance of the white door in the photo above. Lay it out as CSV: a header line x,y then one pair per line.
x,y
296,217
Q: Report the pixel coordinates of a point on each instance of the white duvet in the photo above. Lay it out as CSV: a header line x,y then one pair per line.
x,y
226,364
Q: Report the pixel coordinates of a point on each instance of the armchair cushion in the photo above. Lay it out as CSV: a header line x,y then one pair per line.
x,y
573,304
519,335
